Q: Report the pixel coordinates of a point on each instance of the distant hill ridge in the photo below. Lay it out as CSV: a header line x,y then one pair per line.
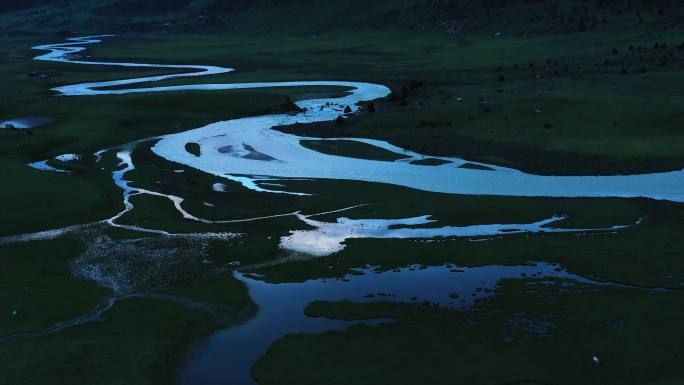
x,y
332,16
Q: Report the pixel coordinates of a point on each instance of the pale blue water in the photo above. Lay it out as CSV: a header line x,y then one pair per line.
x,y
296,161
228,356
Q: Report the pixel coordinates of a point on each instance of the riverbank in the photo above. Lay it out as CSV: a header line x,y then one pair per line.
x,y
150,333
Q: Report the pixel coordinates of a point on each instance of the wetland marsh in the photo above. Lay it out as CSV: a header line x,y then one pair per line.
x,y
189,222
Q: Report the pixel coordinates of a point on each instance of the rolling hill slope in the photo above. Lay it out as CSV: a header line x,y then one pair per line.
x,y
257,17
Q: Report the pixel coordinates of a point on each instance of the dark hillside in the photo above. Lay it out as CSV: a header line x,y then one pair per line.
x,y
126,8
10,6
328,16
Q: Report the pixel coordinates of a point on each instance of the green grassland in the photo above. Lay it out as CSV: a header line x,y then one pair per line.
x,y
478,96
544,96
529,333
140,339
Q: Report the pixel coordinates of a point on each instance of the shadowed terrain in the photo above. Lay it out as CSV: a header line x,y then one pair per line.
x,y
546,87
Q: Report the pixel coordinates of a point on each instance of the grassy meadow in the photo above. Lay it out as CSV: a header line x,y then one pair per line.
x,y
599,102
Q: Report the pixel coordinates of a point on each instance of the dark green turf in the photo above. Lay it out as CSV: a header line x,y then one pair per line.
x,y
351,149
496,343
549,96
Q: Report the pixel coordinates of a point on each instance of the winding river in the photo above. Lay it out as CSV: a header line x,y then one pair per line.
x,y
228,151
285,157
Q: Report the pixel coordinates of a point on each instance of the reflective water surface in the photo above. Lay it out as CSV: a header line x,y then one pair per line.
x,y
296,161
229,355
251,152
329,237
